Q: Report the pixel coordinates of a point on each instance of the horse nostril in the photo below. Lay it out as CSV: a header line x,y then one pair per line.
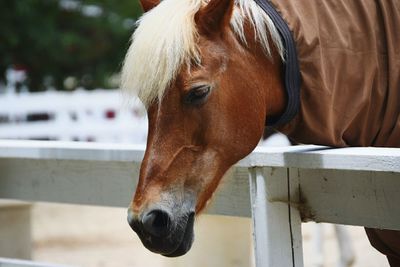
x,y
156,222
132,220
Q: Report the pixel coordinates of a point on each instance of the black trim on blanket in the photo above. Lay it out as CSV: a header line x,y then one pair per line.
x,y
291,66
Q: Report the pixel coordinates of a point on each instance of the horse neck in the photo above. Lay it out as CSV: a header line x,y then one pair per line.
x,y
270,71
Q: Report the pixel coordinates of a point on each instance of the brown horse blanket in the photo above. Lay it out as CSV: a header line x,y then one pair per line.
x,y
349,57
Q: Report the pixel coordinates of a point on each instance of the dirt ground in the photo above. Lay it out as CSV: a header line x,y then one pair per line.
x,y
100,237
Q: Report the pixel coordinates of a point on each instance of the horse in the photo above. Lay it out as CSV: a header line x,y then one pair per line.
x,y
213,73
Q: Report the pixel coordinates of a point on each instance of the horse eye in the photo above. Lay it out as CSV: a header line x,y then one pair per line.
x,y
197,95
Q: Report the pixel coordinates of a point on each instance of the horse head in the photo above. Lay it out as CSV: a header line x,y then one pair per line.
x,y
209,77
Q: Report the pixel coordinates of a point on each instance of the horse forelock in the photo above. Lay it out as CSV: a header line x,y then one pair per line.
x,y
166,38
162,42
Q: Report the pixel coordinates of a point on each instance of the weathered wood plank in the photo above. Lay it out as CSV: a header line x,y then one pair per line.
x,y
68,181
71,151
233,195
319,157
103,183
295,220
15,229
277,226
351,197
104,174
303,157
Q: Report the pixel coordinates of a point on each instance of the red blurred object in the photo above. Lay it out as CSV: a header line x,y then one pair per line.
x,y
110,114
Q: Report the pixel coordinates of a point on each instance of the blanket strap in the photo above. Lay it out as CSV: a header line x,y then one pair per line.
x,y
291,66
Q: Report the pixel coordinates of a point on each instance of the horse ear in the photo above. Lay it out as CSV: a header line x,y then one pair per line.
x,y
215,15
149,4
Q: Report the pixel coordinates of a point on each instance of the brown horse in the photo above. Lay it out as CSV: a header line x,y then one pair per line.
x,y
212,73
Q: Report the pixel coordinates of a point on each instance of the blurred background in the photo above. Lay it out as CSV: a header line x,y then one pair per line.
x,y
59,74
59,71
64,44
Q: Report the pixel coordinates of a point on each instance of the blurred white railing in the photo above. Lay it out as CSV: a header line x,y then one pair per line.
x,y
99,115
278,187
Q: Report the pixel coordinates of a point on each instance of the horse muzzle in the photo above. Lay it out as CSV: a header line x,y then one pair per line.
x,y
163,233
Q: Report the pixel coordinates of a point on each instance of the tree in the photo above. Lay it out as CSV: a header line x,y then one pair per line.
x,y
61,38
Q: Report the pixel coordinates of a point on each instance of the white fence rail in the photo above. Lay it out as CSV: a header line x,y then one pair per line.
x,y
356,186
4,262
99,115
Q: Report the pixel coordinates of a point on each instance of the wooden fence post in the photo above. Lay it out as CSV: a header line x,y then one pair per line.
x,y
277,225
15,229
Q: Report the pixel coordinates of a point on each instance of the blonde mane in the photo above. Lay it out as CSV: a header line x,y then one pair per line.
x,y
166,38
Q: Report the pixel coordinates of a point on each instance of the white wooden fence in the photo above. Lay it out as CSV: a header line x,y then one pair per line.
x,y
81,115
278,187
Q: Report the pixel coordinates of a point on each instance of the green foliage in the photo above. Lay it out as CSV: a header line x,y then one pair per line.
x,y
59,42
